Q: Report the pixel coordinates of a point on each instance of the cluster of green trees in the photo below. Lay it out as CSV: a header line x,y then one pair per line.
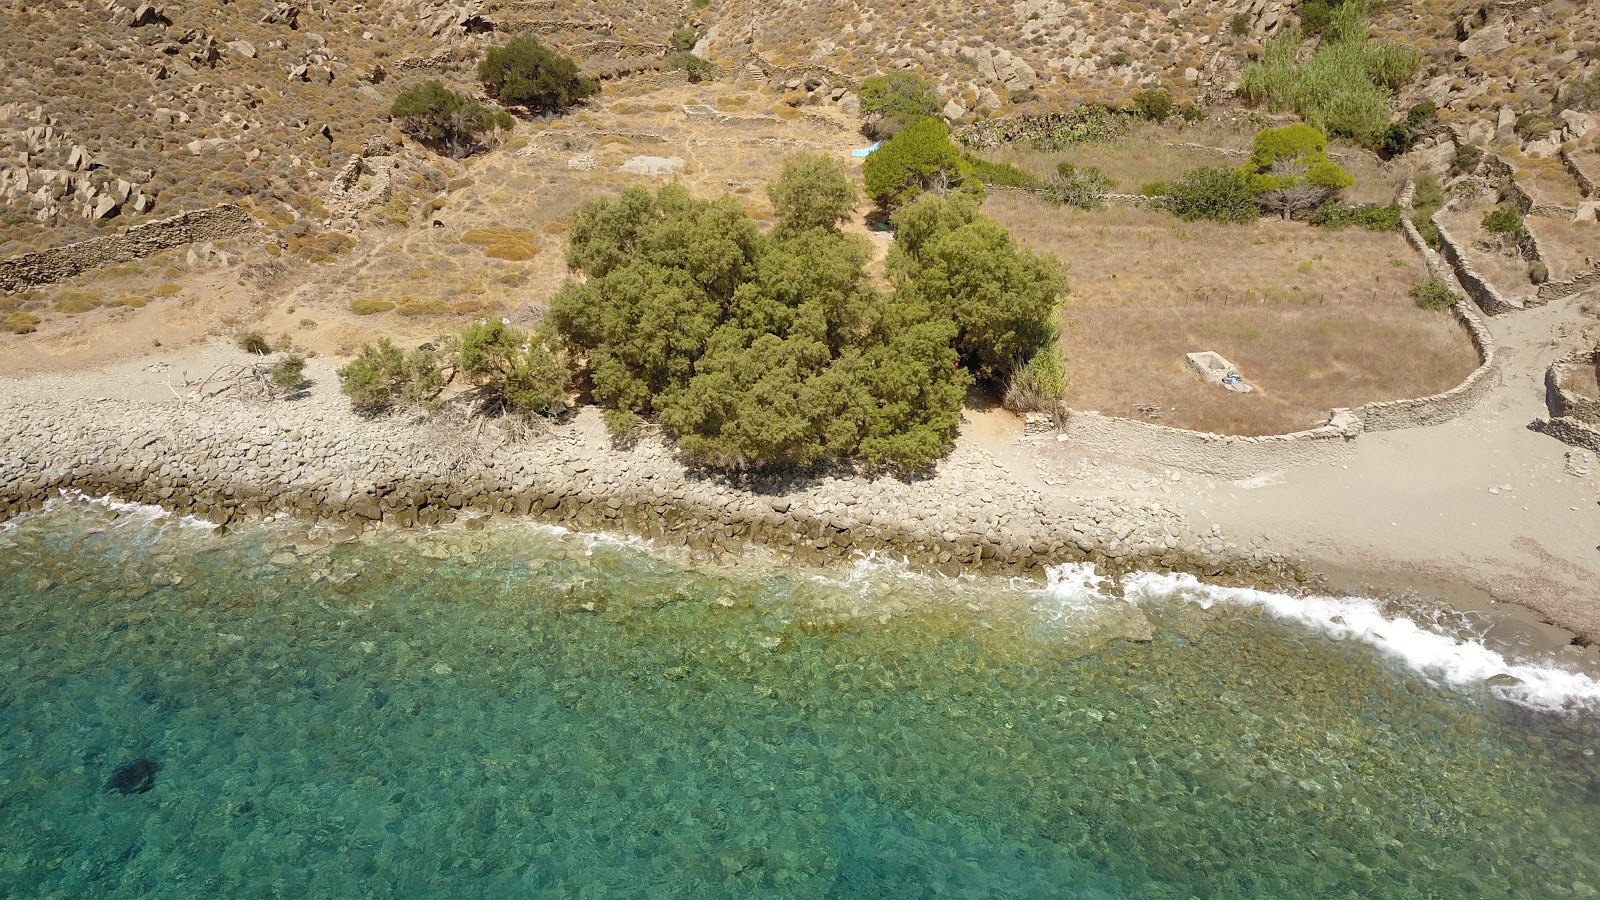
x,y
503,370
1288,173
777,348
521,73
1347,85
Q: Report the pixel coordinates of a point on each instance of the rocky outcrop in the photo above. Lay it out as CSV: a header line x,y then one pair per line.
x,y
231,462
60,263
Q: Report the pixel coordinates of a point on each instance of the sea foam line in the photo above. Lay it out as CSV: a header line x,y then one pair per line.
x,y
1444,659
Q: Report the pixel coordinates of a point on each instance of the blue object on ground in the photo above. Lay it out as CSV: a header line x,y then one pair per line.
x,y
866,151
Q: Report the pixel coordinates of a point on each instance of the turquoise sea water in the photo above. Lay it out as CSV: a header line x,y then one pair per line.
x,y
520,712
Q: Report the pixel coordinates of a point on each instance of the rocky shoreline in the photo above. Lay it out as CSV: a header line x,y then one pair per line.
x,y
231,462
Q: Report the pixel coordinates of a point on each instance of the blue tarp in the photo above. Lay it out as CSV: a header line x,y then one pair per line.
x,y
866,151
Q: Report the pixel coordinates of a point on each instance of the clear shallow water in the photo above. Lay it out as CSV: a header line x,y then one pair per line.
x,y
529,713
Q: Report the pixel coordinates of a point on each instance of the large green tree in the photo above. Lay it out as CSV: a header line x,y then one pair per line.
x,y
813,191
447,119
523,72
921,159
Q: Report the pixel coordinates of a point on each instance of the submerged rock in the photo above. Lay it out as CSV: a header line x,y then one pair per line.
x,y
135,777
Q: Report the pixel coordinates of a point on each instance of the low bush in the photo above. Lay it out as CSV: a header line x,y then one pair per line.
x,y
383,376
1000,174
289,373
1215,194
20,322
1239,25
891,103
1465,160
1428,200
1504,220
167,289
254,342
511,244
452,121
1082,186
1038,384
686,62
74,302
370,307
1155,105
920,158
511,370
1371,216
1434,294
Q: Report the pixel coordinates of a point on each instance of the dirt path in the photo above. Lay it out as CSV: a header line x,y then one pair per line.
x,y
1480,501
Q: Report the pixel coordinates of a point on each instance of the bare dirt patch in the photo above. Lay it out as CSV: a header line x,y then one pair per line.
x,y
1313,319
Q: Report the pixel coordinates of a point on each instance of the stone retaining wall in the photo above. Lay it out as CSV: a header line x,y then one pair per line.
x,y
1565,402
229,461
60,263
1486,295
1556,290
1395,414
1221,455
1586,183
1569,431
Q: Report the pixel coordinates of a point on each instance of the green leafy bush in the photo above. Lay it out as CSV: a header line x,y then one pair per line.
x,y
1347,86
686,62
289,373
1289,170
1239,25
383,375
891,103
1465,160
1504,220
813,191
1370,216
1081,186
523,72
511,370
1155,105
367,306
1000,174
684,39
436,115
1215,194
1434,294
920,158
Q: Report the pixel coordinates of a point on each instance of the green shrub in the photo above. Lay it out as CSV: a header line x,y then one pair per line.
x,y
523,72
1219,195
1118,59
1581,93
384,375
254,342
1191,113
1289,170
436,115
622,423
1370,216
891,103
686,62
684,39
1155,105
1427,200
1239,25
813,191
1465,160
920,158
511,370
20,322
1081,186
1504,220
1000,174
289,373
1345,88
1393,141
1038,384
1434,294
1422,115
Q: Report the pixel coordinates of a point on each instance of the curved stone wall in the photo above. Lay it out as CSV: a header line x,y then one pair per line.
x,y
1414,413
60,263
1568,403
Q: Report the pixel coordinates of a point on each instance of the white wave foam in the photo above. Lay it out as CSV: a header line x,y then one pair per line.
x,y
129,513
1443,659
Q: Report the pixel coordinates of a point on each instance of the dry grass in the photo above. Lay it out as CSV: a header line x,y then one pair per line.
x,y
1506,271
1313,319
1565,246
1582,378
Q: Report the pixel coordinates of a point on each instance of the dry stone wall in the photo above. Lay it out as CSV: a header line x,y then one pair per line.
x,y
1439,408
1221,455
60,263
1483,293
1562,399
